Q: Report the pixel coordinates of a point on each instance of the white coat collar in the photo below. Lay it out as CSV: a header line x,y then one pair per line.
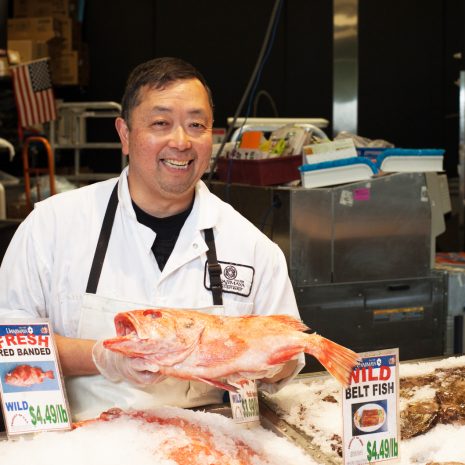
x,y
205,210
124,197
191,242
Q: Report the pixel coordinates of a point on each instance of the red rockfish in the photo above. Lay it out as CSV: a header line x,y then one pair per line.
x,y
200,444
199,346
25,375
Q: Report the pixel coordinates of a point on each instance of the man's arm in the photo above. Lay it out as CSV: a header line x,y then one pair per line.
x,y
81,357
76,356
288,369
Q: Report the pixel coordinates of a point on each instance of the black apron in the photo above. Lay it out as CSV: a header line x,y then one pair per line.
x,y
214,268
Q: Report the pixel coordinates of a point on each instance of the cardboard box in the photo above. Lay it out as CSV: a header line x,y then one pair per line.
x,y
65,68
4,67
70,31
70,68
40,28
29,49
27,8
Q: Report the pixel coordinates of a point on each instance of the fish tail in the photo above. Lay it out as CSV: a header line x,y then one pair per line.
x,y
49,374
337,359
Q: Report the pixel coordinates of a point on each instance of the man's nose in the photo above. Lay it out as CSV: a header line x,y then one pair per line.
x,y
179,139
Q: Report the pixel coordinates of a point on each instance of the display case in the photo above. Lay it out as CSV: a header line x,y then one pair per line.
x,y
360,258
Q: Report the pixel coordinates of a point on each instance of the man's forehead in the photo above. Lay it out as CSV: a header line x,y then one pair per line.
x,y
194,111
181,90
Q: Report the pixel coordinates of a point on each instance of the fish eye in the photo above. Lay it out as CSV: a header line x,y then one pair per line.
x,y
152,313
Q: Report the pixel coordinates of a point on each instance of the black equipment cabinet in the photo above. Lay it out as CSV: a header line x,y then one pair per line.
x,y
360,258
365,316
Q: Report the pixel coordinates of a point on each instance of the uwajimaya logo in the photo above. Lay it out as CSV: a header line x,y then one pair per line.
x,y
230,272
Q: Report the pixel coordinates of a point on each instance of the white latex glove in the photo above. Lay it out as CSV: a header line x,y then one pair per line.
x,y
257,375
117,367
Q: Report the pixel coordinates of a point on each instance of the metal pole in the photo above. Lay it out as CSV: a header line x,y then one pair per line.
x,y
345,62
461,166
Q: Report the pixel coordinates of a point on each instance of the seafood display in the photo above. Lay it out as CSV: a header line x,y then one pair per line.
x,y
27,375
199,447
431,403
209,348
162,436
444,402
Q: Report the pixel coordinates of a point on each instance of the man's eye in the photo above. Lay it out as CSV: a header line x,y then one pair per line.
x,y
160,123
198,126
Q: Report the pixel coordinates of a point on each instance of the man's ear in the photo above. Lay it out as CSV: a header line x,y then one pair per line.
x,y
123,132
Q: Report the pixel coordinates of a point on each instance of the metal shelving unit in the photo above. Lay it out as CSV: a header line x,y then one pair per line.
x,y
69,131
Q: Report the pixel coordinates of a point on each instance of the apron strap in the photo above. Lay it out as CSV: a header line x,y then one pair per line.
x,y
102,244
214,268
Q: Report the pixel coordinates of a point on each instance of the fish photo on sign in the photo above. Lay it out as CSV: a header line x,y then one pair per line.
x,y
369,417
31,376
220,350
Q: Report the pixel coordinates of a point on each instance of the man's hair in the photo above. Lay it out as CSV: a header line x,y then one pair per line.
x,y
157,74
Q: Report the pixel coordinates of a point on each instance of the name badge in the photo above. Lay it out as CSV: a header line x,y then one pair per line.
x,y
235,278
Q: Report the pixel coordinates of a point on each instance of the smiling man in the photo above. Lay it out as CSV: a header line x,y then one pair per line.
x,y
154,237
168,137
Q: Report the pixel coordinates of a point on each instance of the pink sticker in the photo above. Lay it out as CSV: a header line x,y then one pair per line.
x,y
362,194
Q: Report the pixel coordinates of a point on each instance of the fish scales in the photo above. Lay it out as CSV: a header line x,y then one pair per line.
x,y
200,346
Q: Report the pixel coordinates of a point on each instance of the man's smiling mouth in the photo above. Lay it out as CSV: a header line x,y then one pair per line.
x,y
177,164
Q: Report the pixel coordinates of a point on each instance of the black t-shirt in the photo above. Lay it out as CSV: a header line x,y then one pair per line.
x,y
167,230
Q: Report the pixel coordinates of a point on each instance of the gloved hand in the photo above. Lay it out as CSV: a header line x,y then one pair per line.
x,y
257,375
117,367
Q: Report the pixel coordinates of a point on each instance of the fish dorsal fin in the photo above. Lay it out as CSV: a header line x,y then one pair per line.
x,y
291,322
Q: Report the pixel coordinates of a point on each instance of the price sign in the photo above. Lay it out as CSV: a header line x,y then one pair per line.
x,y
370,408
31,385
244,403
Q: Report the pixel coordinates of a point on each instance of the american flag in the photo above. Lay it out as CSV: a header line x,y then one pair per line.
x,y
33,92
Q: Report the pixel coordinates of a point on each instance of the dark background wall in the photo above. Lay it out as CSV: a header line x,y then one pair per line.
x,y
407,93
407,72
223,40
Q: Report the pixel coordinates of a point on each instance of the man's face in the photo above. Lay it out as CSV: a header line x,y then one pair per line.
x,y
169,140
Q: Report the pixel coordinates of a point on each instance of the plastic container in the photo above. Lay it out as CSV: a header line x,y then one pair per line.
x,y
400,160
265,172
411,160
372,153
330,173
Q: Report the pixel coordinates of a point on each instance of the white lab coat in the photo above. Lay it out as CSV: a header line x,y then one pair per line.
x,y
46,267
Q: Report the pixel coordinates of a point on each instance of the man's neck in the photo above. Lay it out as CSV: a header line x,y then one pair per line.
x,y
162,207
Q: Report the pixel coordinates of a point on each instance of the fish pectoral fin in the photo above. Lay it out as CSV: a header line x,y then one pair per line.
x,y
171,354
217,384
284,354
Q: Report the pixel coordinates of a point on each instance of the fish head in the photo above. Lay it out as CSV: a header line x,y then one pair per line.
x,y
155,333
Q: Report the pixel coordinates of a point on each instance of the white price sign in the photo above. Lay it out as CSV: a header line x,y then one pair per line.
x,y
370,409
31,385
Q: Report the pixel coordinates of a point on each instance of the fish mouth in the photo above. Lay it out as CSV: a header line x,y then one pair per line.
x,y
125,327
128,324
